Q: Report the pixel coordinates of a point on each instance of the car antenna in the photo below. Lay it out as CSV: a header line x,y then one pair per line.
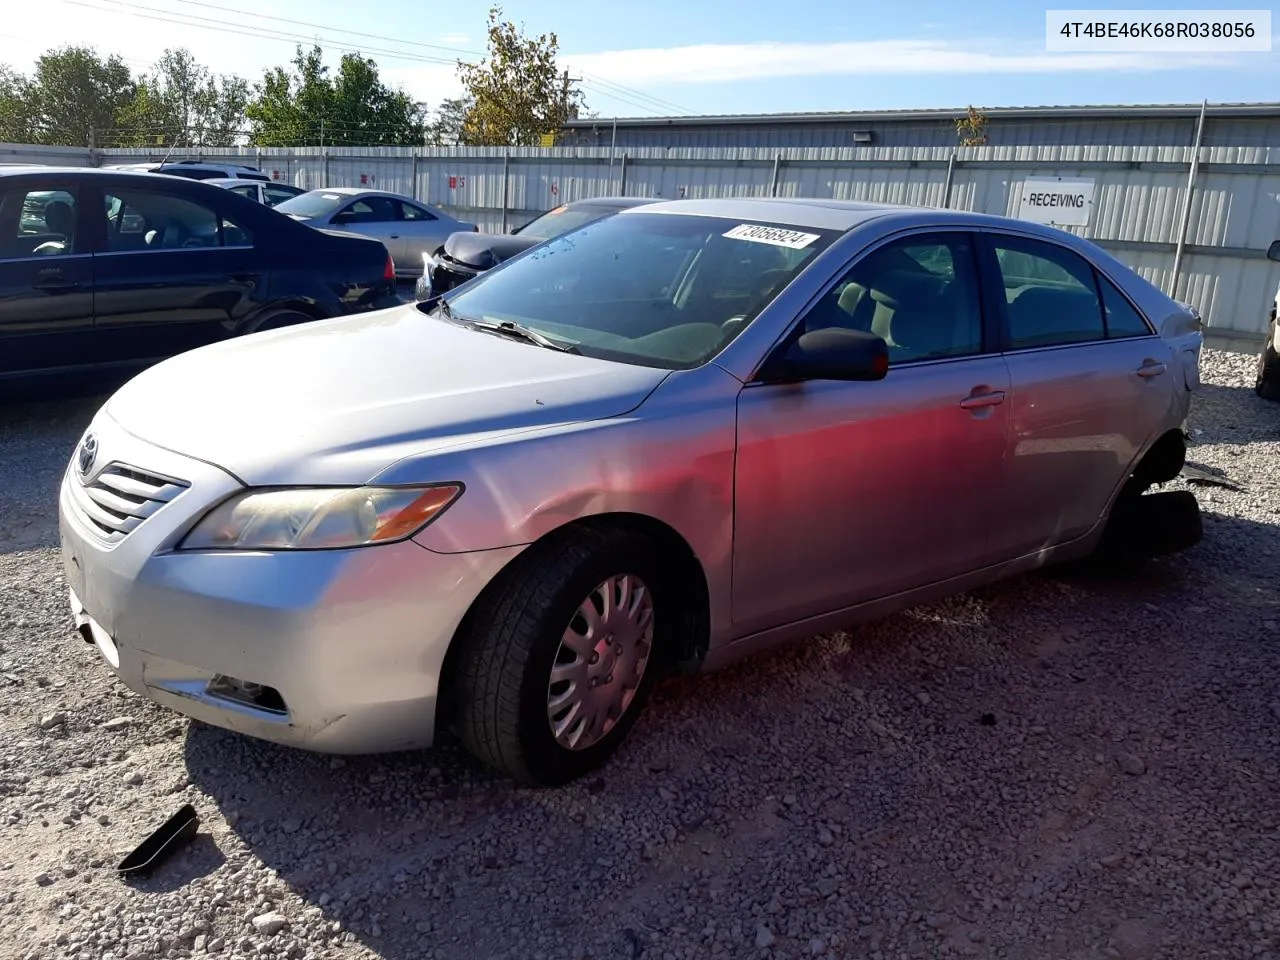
x,y
169,152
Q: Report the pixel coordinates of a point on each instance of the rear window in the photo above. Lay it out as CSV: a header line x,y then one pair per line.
x,y
562,220
315,203
655,289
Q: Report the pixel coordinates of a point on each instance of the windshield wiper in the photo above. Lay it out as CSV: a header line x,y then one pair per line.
x,y
519,331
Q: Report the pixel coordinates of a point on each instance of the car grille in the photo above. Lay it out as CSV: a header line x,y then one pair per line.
x,y
120,498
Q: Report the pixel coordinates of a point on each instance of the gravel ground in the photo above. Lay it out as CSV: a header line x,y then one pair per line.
x,y
1056,767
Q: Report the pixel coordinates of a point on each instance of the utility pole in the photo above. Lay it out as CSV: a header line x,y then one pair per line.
x,y
571,113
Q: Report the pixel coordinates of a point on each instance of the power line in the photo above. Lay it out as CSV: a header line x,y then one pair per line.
x,y
608,89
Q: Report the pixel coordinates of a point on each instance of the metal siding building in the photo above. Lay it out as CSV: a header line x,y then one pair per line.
x,y
1139,159
1251,124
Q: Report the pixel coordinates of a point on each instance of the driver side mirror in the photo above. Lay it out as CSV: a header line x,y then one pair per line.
x,y
834,353
1273,251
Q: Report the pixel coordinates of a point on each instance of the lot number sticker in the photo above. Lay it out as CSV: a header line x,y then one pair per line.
x,y
771,235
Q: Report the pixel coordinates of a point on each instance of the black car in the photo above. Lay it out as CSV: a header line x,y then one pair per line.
x,y
467,254
104,271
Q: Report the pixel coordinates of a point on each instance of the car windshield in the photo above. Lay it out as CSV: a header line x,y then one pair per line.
x,y
316,203
562,220
654,289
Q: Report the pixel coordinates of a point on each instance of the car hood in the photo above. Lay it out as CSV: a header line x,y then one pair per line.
x,y
485,250
339,401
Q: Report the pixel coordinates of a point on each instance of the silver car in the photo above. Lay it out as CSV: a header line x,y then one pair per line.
x,y
407,228
664,439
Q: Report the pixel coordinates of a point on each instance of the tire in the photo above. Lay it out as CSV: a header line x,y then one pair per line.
x,y
276,319
502,681
1268,382
1152,525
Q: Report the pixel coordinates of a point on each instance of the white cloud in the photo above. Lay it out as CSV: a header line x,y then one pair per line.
x,y
428,83
730,63
455,39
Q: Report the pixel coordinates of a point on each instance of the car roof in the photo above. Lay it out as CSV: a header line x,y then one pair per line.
x,y
230,181
620,203
816,213
35,169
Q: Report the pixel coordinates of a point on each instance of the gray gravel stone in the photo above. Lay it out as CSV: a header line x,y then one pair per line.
x,y
812,792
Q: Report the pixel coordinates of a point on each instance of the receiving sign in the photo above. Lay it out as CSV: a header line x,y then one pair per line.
x,y
1059,201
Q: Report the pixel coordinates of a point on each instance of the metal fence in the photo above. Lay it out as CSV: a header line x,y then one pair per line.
x,y
1201,235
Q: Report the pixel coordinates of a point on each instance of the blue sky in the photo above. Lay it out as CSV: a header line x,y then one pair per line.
x,y
665,57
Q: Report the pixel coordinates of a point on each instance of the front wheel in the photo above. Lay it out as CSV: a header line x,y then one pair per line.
x,y
556,664
1267,385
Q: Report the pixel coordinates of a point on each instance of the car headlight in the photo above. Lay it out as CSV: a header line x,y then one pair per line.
x,y
319,518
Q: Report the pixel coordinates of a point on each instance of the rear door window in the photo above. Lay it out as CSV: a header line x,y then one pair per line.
x,y
1051,297
371,210
146,220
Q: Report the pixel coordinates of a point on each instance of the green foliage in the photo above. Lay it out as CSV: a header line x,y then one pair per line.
x,y
183,103
517,92
306,106
446,127
73,98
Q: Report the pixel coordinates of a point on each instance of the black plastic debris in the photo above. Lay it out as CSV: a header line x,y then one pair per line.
x,y
987,719
1199,474
173,834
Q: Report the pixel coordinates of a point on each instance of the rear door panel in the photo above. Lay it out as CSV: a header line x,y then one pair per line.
x,y
173,275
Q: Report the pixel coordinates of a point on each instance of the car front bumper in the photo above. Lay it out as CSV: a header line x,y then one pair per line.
x,y
337,651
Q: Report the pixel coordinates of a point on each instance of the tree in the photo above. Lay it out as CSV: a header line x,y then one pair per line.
x,y
183,103
17,122
306,107
517,91
73,99
972,128
365,111
446,128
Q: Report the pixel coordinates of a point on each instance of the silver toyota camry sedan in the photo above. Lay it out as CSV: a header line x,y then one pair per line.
x,y
659,441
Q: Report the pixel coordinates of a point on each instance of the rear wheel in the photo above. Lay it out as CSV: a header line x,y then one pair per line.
x,y
1268,382
1149,525
556,664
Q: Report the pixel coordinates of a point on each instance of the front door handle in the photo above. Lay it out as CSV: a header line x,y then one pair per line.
x,y
1151,368
395,236
244,277
977,400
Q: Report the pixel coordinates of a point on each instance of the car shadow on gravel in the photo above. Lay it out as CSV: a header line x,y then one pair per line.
x,y
395,847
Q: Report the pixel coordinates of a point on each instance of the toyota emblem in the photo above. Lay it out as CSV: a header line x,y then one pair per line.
x,y
87,453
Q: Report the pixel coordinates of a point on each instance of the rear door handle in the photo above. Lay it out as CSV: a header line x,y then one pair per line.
x,y
244,277
52,281
1151,368
976,401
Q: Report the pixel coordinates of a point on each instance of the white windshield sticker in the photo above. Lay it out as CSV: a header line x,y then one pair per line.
x,y
772,235
331,196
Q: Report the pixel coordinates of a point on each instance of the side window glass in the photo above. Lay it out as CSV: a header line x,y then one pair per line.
x,y
249,191
1050,294
37,223
234,235
411,212
146,220
371,210
919,294
1122,319
277,195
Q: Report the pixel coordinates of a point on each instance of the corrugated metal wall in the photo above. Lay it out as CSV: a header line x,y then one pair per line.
x,y
1235,210
938,132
